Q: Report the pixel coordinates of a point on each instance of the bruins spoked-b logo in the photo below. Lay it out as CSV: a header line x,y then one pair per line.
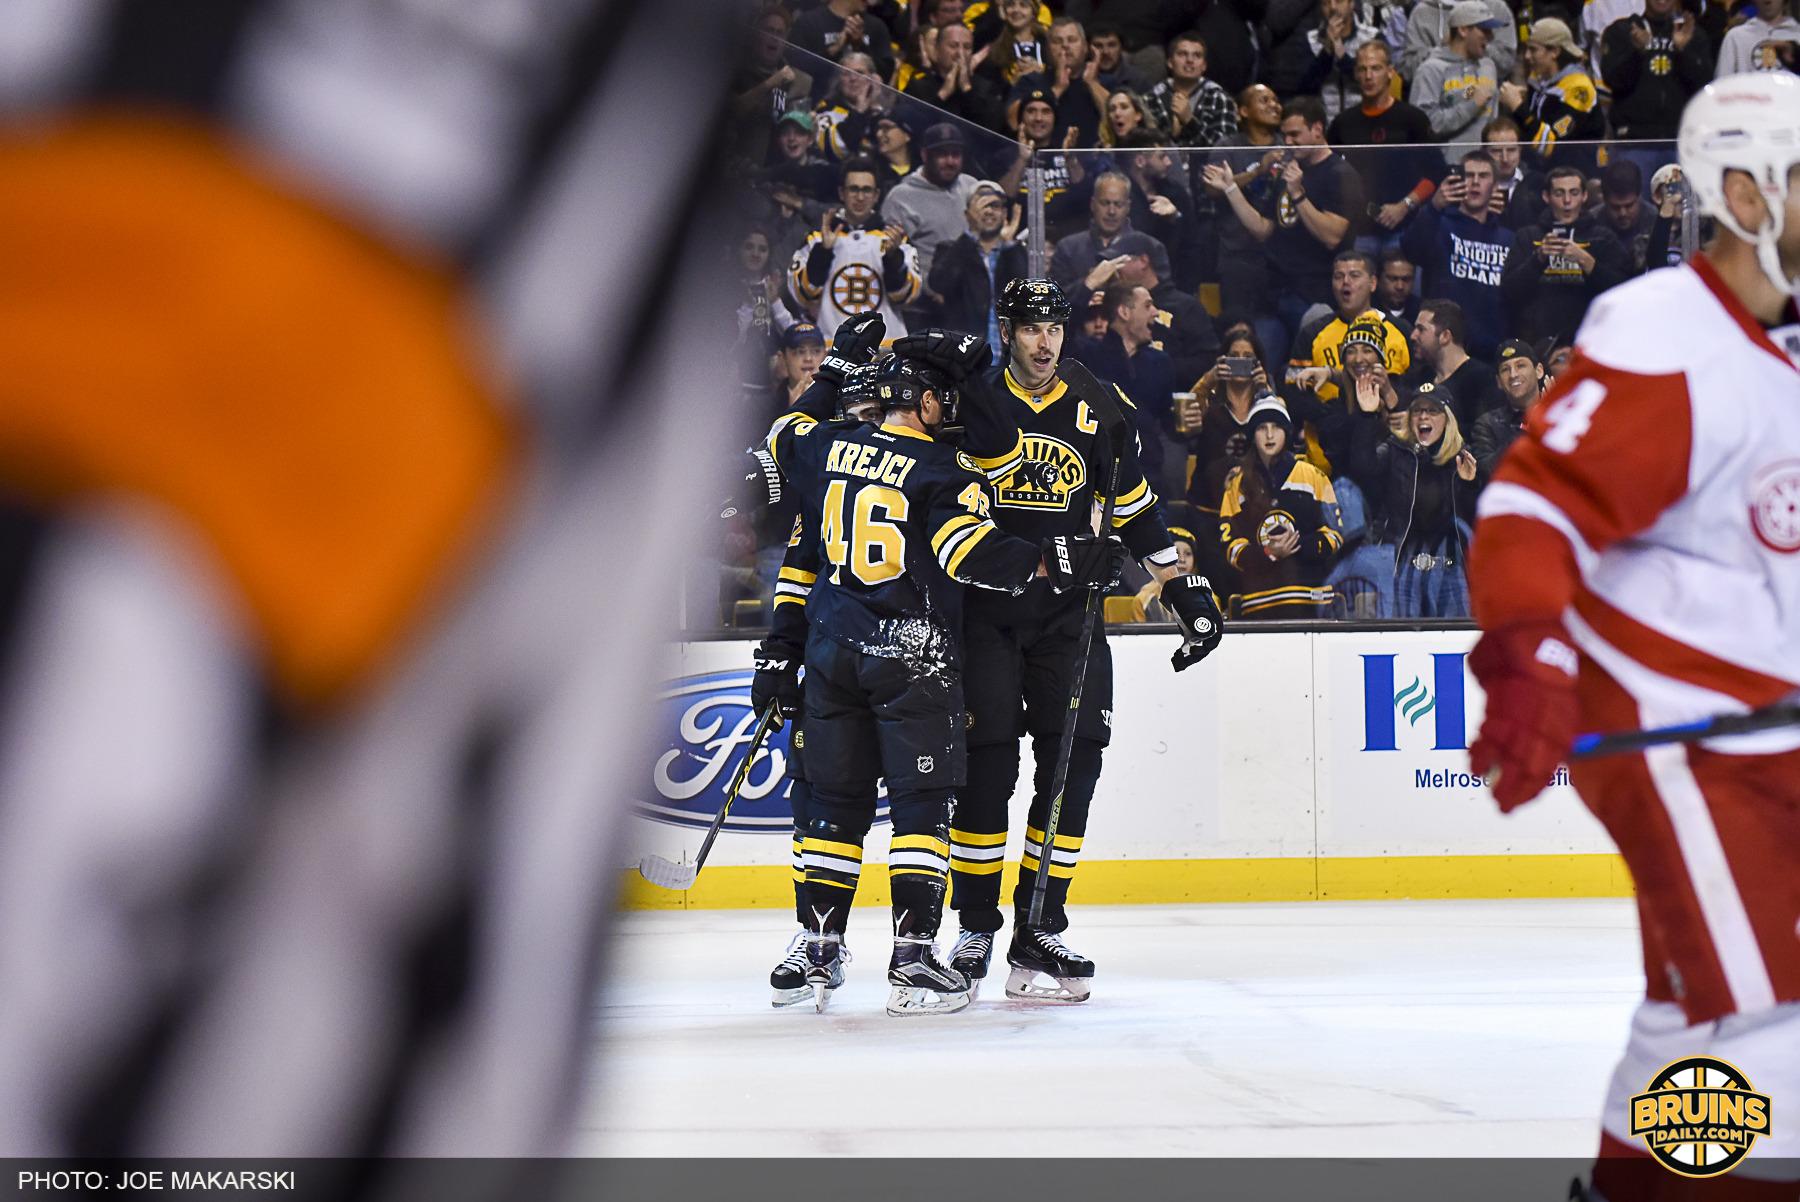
x,y
856,288
1699,1116
1050,472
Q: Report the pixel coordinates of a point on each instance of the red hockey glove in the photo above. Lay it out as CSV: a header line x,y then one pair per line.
x,y
1528,672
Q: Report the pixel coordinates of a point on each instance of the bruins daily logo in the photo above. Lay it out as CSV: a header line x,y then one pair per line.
x,y
1699,1116
1050,472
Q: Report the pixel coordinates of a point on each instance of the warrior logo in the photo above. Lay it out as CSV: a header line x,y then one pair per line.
x,y
1052,470
1699,1116
1775,507
856,289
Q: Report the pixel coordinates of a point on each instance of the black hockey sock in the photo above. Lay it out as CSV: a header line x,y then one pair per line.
x,y
1071,827
978,834
832,857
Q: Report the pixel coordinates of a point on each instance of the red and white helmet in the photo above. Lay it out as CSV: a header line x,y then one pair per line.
x,y
1748,123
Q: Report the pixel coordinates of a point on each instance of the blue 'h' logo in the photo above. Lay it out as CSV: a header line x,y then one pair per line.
x,y
1445,698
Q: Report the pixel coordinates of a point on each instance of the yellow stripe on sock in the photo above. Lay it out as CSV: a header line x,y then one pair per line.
x,y
849,851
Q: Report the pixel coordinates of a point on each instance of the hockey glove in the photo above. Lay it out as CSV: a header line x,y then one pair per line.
x,y
777,679
1197,611
854,344
1073,561
1528,670
958,356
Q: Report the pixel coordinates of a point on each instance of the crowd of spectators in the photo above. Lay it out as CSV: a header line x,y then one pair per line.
x,y
1329,248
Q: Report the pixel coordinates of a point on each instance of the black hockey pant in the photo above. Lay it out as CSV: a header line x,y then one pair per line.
x,y
868,717
1020,674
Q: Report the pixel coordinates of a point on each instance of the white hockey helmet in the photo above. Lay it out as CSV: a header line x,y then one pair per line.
x,y
1748,123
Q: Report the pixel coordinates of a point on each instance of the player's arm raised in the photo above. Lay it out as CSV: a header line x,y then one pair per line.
x,y
854,344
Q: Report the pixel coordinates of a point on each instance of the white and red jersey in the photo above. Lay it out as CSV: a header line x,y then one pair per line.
x,y
1652,505
1667,462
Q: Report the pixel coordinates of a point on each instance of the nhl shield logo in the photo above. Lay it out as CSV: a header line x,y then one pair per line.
x,y
926,763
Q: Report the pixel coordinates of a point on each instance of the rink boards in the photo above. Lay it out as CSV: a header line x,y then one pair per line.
x,y
1288,766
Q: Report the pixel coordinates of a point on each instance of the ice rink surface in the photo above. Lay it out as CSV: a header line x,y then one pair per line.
x,y
1365,1029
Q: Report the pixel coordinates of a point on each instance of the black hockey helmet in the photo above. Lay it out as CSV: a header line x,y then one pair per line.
x,y
858,387
904,382
1033,300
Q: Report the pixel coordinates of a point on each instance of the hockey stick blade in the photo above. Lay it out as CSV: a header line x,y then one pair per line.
x,y
666,874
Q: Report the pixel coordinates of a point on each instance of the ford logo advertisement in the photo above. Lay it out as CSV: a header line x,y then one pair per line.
x,y
707,725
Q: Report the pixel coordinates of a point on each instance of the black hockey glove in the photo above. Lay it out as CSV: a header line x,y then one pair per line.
x,y
777,679
1202,626
1083,561
958,356
854,344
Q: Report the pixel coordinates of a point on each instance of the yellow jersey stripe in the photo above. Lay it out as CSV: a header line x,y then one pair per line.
x,y
972,839
968,545
948,528
991,465
798,576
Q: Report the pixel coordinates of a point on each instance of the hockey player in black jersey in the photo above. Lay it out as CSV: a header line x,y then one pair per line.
x,y
844,388
1048,452
903,524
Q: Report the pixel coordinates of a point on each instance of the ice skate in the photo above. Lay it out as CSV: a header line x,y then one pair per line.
x,y
788,980
922,982
825,958
1037,953
974,950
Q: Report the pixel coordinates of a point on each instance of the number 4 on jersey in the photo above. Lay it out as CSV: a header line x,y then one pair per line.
x,y
1573,416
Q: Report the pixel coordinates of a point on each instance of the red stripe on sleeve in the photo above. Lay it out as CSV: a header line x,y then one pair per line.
x,y
1609,448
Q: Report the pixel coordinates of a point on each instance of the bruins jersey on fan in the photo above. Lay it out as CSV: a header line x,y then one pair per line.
x,y
902,523
1565,108
1049,460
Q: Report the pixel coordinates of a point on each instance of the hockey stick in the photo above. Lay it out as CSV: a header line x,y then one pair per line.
x,y
1771,717
1082,383
669,875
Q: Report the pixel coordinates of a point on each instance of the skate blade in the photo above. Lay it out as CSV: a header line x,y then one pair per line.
x,y
910,1001
1022,986
790,997
821,996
